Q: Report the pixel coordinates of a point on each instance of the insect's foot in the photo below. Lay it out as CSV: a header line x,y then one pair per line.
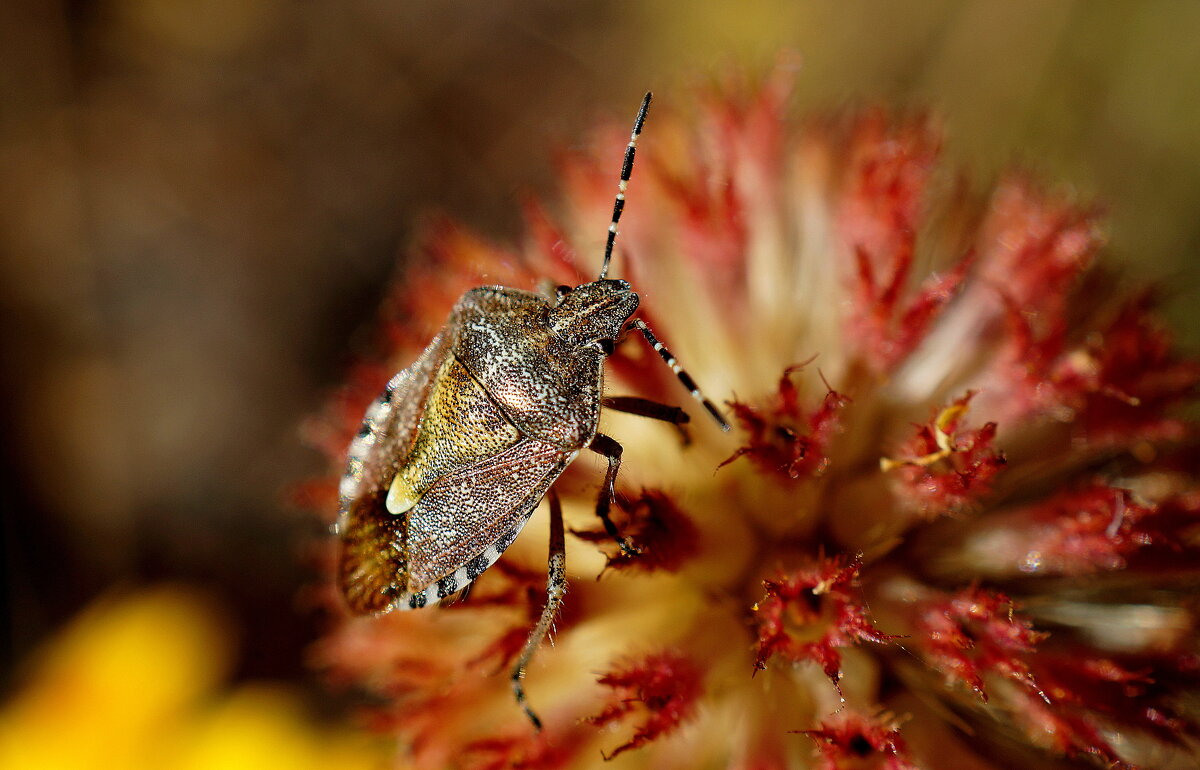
x,y
519,692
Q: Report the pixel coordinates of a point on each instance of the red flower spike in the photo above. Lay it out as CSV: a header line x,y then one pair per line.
x,y
851,740
1067,732
1031,252
976,632
712,224
1024,364
909,329
810,614
525,750
1126,377
727,182
1083,531
1091,693
418,701
944,468
663,688
662,535
885,179
878,220
1087,530
784,439
1036,247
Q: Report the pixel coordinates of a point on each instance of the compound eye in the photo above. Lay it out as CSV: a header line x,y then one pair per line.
x,y
562,290
606,346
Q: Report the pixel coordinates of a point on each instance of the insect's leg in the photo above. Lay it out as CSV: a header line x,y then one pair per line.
x,y
683,376
611,450
556,587
644,407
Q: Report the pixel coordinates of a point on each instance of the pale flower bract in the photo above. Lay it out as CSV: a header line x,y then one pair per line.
x,y
955,523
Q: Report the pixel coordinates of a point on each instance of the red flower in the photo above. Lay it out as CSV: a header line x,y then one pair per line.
x,y
976,633
662,688
662,535
784,438
989,480
850,740
810,614
944,468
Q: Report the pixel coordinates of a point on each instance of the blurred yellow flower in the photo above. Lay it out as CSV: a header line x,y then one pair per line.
x,y
136,682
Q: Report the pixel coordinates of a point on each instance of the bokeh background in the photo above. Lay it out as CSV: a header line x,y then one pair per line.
x,y
201,204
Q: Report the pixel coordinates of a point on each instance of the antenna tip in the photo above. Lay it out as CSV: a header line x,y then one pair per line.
x,y
637,126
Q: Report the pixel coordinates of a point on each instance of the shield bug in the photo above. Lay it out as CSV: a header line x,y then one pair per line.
x,y
461,447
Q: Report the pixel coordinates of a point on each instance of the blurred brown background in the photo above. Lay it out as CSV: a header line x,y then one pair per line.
x,y
200,203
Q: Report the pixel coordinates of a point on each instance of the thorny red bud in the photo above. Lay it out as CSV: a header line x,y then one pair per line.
x,y
976,633
943,468
662,535
1086,530
807,615
1122,379
662,689
851,740
784,438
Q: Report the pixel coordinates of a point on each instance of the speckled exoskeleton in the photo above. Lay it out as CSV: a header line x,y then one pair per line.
x,y
455,455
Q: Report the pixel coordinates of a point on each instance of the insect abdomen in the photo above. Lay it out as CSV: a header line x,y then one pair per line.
x,y
373,568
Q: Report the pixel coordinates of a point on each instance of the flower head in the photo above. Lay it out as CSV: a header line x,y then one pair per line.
x,y
958,489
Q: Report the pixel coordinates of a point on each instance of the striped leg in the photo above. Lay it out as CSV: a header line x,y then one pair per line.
x,y
556,587
683,376
626,170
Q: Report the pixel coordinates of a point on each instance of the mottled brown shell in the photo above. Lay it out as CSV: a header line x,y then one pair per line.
x,y
468,440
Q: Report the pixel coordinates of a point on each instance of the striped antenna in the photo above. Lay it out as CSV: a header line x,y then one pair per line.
x,y
626,170
683,376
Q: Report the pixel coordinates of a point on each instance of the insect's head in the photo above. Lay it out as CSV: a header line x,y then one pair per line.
x,y
594,312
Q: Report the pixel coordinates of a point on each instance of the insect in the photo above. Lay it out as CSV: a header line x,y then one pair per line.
x,y
461,447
